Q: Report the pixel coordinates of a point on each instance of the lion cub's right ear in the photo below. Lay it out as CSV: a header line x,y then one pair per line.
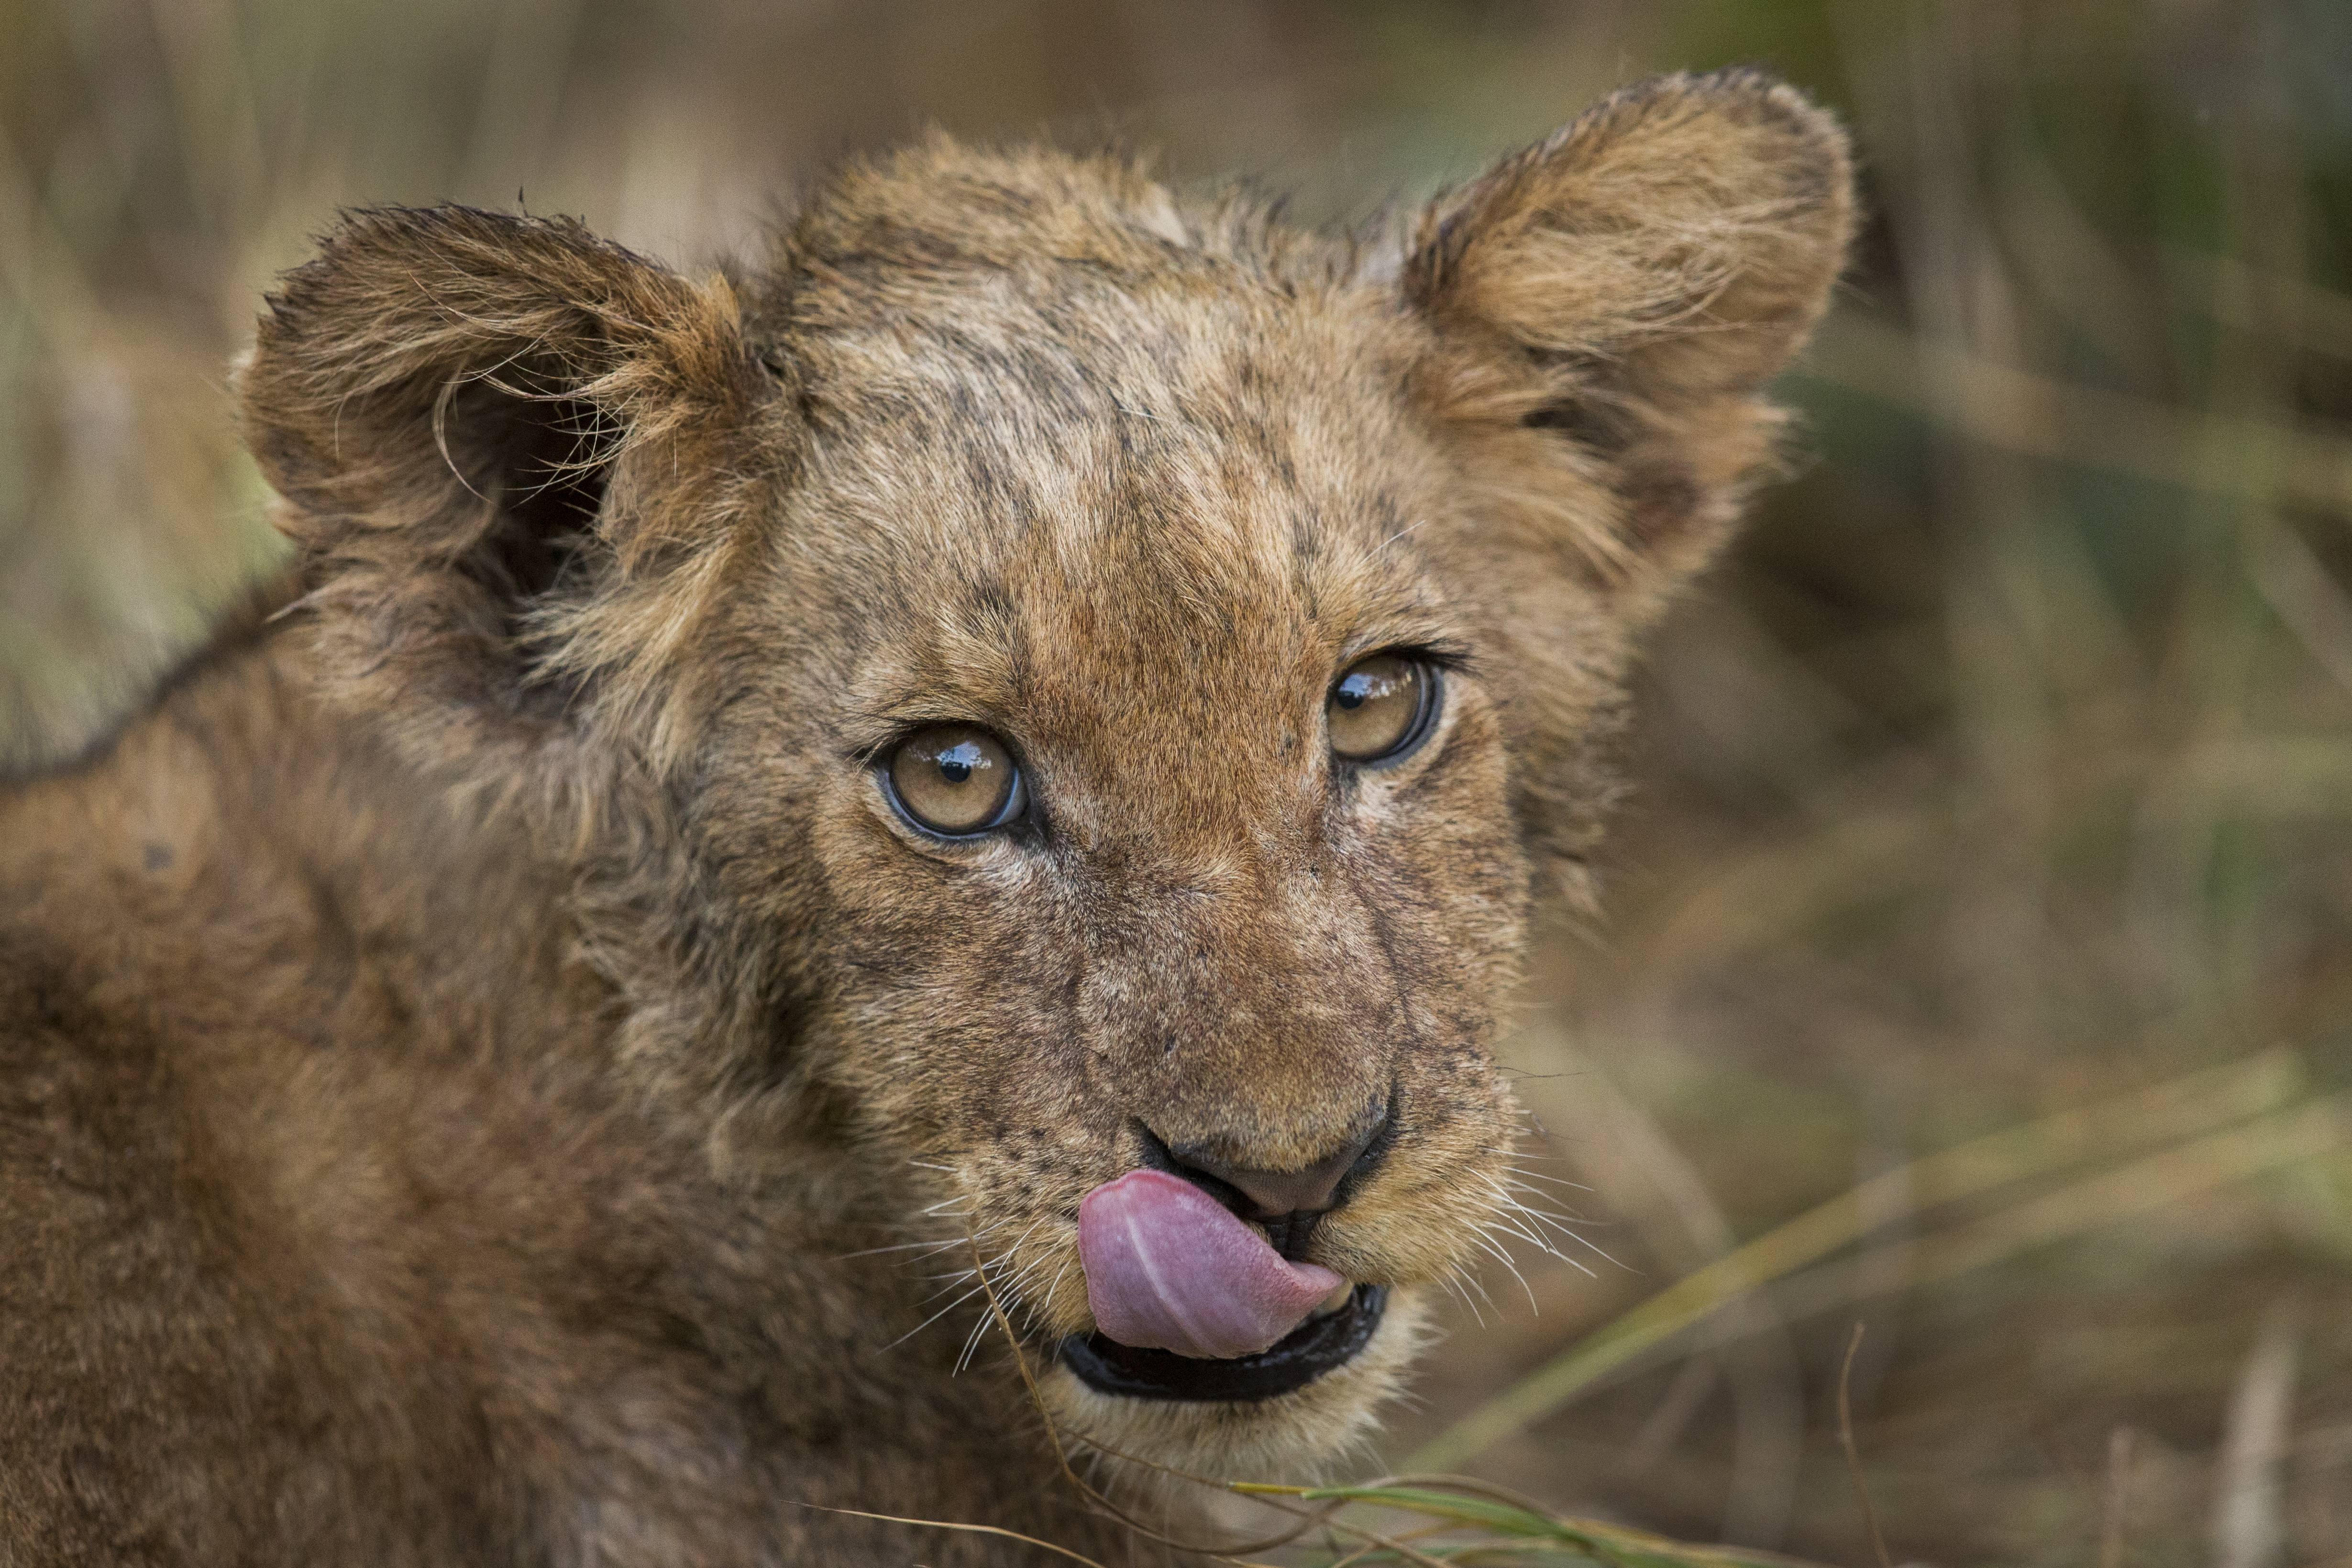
x,y
513,455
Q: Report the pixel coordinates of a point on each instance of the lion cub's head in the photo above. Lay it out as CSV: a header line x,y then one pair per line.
x,y
1046,682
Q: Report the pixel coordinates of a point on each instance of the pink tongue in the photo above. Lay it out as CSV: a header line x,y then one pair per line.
x,y
1169,1269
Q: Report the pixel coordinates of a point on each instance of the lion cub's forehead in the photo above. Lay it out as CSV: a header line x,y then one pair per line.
x,y
1179,505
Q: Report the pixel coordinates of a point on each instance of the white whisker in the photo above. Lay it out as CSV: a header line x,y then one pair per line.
x,y
1478,1234
1454,1282
1047,1300
971,1343
934,1318
902,1247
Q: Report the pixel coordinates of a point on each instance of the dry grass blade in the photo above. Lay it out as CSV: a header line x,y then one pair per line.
x,y
2222,285
2249,1531
1853,1454
997,1531
2115,1505
2153,1182
2015,411
2137,1187
1511,1532
2169,1110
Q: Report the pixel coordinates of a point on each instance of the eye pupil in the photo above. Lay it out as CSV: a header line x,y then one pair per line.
x,y
955,770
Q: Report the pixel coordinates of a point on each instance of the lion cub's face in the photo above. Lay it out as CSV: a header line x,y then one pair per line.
x,y
1109,676
1157,787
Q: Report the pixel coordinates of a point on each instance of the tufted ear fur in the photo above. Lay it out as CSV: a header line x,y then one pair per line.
x,y
1628,286
513,457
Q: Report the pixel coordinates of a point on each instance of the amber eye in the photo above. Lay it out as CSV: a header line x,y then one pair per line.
x,y
954,779
1381,707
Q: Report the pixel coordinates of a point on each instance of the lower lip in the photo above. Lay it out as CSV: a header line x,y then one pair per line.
x,y
1316,1346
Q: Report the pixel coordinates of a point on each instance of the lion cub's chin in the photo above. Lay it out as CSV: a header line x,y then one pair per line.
x,y
1293,1437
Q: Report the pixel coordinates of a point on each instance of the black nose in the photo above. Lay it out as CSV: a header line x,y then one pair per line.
x,y
1288,1202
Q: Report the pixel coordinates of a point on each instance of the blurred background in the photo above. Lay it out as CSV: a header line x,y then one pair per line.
x,y
2001,778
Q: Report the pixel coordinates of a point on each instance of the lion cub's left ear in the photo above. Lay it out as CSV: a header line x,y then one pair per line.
x,y
1627,288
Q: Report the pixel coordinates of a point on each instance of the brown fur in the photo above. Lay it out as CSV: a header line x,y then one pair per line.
x,y
457,1042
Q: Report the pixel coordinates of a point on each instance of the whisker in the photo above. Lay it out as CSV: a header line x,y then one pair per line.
x,y
1478,1234
1047,1300
971,1343
902,1247
1551,1219
1028,1271
1454,1282
1549,1181
1569,1233
934,1318
1511,1210
949,1282
1540,1245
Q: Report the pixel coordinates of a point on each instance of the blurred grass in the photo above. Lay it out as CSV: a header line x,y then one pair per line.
x,y
1995,1161
2003,777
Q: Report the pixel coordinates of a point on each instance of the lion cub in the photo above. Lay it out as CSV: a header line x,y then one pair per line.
x,y
1008,741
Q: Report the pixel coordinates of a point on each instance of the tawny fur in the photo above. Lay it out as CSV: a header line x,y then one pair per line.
x,y
464,1041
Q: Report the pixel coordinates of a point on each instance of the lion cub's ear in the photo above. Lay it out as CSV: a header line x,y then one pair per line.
x,y
1628,286
510,454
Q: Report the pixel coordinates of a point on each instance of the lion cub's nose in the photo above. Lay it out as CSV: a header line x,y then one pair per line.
x,y
1279,1195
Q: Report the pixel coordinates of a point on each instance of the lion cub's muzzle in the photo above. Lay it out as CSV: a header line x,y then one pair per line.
x,y
1192,1303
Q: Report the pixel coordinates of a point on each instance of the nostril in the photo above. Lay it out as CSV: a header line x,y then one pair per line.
x,y
1275,1192
1289,1199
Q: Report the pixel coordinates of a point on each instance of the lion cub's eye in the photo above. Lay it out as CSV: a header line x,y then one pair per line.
x,y
1381,707
954,779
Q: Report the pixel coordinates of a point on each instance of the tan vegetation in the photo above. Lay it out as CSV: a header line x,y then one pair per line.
x,y
2001,772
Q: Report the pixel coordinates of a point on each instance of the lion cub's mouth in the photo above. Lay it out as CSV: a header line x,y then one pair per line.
x,y
1313,1348
1191,1303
